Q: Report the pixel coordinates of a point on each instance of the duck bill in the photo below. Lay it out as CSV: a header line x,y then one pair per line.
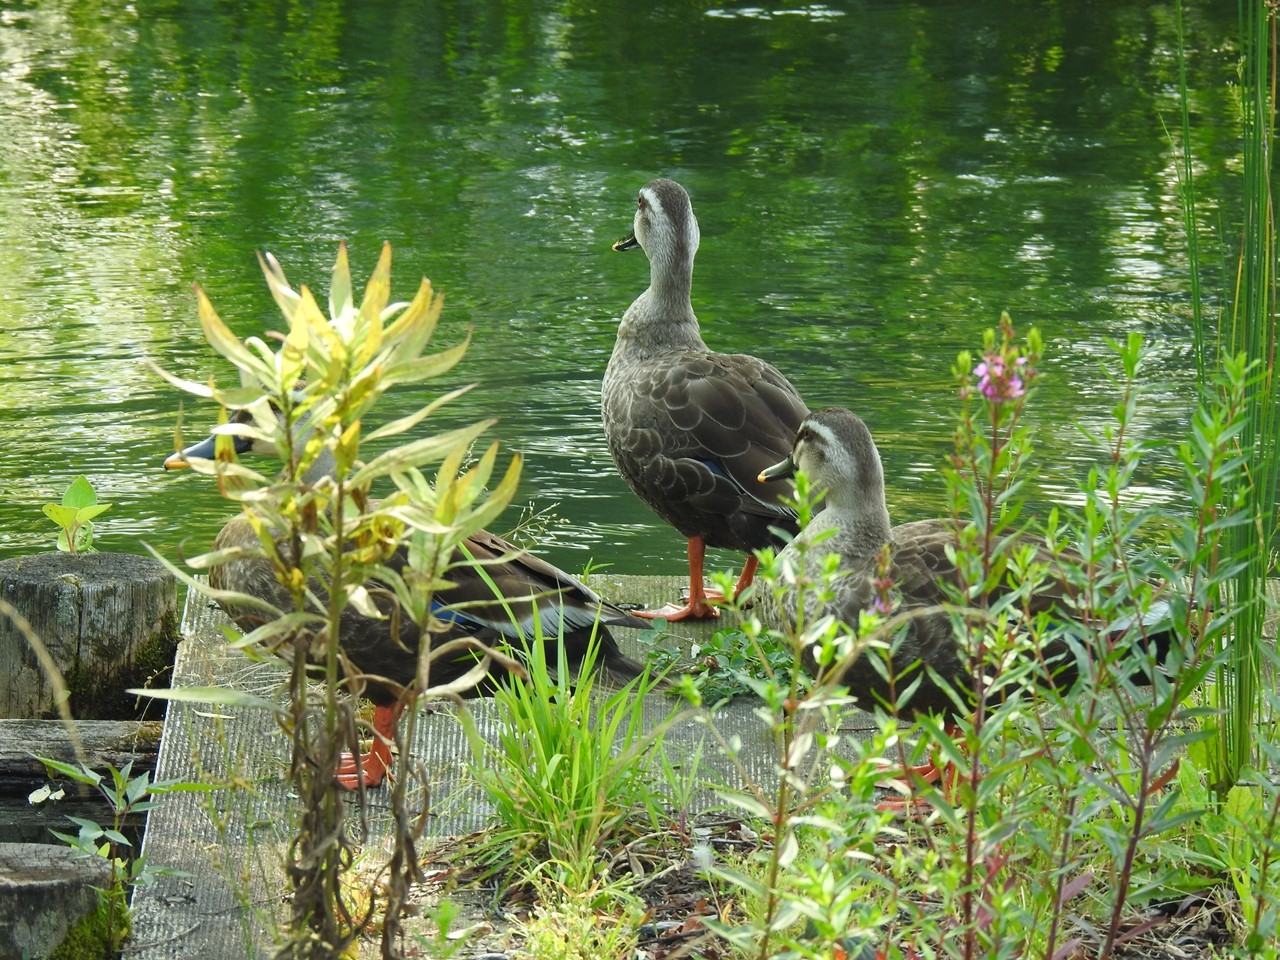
x,y
628,242
206,449
779,471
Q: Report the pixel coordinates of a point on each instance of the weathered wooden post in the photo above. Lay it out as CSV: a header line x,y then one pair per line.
x,y
109,621
44,892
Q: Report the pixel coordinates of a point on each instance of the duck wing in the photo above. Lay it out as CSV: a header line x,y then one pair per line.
x,y
691,432
504,588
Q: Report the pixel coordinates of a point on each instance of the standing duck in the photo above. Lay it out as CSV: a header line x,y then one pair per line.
x,y
835,450
691,429
519,589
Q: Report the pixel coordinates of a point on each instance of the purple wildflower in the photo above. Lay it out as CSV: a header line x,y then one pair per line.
x,y
999,381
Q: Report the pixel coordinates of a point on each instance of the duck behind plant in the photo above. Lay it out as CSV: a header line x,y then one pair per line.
x,y
496,593
916,562
691,429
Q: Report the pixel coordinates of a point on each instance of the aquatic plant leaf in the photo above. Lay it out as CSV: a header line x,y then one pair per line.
x,y
62,516
85,514
79,493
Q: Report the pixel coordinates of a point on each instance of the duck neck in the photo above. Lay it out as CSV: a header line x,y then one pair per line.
x,y
863,527
661,320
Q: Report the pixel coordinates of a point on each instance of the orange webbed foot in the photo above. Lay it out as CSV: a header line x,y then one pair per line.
x,y
371,768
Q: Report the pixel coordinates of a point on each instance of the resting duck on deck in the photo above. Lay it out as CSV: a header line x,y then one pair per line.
x,y
835,450
527,588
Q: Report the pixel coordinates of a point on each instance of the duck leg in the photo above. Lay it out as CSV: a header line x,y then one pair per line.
x,y
904,779
698,606
369,769
748,574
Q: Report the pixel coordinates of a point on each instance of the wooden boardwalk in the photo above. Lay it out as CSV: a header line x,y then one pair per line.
x,y
232,842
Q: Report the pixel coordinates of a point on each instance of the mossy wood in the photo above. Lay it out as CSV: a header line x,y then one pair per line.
x,y
108,620
45,891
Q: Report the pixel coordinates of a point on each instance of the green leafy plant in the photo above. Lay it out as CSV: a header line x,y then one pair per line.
x,y
1071,810
325,538
728,664
1246,328
74,516
572,929
126,795
570,771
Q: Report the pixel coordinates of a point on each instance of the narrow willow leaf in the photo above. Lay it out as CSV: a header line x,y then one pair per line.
x,y
746,802
418,452
223,340
293,355
340,301
413,329
499,499
269,362
278,631
359,598
78,774
789,850
283,294
377,293
202,586
396,427
425,368
192,387
221,696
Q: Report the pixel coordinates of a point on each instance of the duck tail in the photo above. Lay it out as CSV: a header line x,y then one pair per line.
x,y
1157,636
613,668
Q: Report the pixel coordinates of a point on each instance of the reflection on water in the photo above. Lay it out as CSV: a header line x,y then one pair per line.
x,y
875,182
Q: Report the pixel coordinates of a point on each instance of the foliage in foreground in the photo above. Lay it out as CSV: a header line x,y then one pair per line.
x,y
571,768
103,933
1082,819
1074,813
325,539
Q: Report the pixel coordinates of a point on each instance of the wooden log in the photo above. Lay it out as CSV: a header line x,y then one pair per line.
x,y
101,743
44,891
109,621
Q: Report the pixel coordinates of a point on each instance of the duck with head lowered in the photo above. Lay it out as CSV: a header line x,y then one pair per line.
x,y
691,429
835,450
496,592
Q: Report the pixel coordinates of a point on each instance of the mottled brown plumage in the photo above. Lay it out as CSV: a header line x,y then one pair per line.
x,y
835,449
691,429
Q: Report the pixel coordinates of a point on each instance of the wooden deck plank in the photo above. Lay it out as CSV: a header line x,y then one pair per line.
x,y
233,843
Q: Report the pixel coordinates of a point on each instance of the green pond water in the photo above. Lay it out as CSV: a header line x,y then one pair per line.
x,y
875,182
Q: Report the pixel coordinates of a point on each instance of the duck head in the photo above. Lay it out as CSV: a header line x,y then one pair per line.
x,y
247,438
835,450
664,227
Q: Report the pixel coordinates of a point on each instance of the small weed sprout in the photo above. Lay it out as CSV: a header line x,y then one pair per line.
x,y
75,515
125,795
